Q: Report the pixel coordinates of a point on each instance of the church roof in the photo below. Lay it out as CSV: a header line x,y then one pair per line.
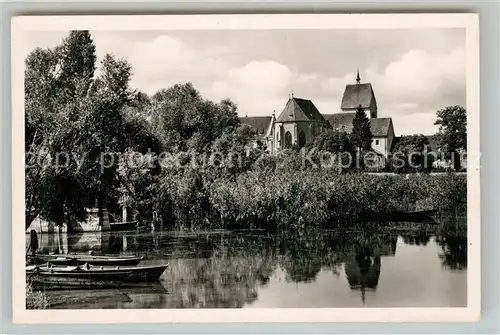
x,y
357,94
297,109
380,126
260,123
343,122
340,121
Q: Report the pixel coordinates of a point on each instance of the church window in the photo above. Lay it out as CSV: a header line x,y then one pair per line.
x,y
376,142
288,139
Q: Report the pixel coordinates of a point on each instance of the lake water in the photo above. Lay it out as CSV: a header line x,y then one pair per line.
x,y
254,270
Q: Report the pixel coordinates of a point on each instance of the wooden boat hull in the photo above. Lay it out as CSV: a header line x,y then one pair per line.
x,y
418,216
66,260
123,226
93,277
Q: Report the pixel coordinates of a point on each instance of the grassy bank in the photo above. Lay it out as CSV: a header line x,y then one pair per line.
x,y
300,199
35,299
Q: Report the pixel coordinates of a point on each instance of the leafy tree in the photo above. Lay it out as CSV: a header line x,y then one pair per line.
x,y
70,111
338,143
185,121
452,122
410,154
361,135
233,146
333,141
77,63
56,84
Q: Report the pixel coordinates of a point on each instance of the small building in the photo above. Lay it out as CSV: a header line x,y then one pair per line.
x,y
382,130
92,223
263,129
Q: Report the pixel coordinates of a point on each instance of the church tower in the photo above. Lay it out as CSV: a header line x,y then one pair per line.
x,y
359,94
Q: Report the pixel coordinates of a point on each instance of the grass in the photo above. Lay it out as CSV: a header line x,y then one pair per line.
x,y
35,299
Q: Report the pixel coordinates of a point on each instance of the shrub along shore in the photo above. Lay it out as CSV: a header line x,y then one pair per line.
x,y
299,199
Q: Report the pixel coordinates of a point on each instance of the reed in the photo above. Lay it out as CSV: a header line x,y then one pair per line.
x,y
300,199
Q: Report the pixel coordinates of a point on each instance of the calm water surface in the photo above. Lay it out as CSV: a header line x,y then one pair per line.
x,y
254,270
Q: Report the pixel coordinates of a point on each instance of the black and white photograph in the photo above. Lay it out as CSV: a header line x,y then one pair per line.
x,y
247,165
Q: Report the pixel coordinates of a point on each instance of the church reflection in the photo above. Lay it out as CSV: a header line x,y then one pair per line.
x,y
363,262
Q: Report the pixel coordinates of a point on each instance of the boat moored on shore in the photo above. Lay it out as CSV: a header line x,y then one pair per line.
x,y
89,276
67,259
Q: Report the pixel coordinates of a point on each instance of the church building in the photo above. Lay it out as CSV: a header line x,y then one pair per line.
x,y
300,121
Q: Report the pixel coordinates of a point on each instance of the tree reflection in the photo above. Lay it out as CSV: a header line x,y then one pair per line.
x,y
454,251
219,281
418,238
302,260
363,263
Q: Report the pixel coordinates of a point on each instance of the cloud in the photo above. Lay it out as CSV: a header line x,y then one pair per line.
x,y
262,76
419,74
257,88
413,72
156,59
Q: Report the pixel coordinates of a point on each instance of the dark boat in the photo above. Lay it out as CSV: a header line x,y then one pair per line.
x,y
417,216
61,259
88,277
123,226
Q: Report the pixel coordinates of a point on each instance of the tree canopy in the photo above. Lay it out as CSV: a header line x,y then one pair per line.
x,y
411,154
452,122
73,119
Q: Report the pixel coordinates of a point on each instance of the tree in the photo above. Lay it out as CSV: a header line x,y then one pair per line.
x,y
184,121
57,103
333,141
233,146
452,122
410,152
361,135
338,143
70,111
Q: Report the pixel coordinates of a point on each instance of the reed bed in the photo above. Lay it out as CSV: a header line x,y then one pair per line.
x,y
275,201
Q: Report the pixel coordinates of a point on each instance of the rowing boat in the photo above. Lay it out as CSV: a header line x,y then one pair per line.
x,y
61,259
88,276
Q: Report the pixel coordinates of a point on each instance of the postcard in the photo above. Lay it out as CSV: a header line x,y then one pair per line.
x,y
246,168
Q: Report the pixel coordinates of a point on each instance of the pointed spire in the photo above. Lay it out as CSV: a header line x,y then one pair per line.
x,y
358,79
291,94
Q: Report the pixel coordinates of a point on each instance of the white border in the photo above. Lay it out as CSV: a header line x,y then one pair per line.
x,y
20,25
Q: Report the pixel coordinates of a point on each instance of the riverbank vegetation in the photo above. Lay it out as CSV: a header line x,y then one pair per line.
x,y
94,142
35,299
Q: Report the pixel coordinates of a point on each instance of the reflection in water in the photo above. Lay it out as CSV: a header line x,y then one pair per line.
x,y
454,251
421,237
362,269
229,270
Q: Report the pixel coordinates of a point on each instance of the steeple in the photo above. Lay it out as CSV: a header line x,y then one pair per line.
x,y
358,79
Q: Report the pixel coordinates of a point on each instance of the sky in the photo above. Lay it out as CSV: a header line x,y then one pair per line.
x,y
414,72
